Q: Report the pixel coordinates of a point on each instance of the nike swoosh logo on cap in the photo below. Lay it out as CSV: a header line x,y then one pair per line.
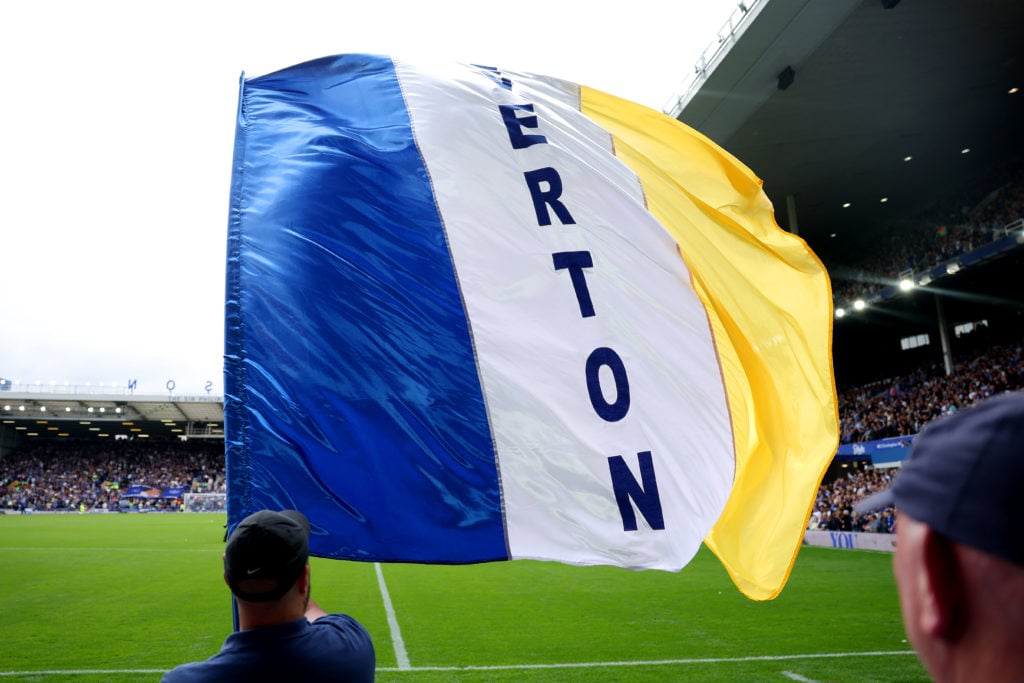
x,y
250,572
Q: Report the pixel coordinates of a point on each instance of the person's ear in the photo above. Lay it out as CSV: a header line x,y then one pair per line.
x,y
304,580
942,588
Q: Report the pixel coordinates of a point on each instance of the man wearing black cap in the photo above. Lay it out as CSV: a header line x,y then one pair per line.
x,y
283,634
959,562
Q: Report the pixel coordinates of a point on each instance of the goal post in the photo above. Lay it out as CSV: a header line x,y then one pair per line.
x,y
205,502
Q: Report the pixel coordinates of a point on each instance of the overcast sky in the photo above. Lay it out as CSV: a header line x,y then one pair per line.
x,y
117,124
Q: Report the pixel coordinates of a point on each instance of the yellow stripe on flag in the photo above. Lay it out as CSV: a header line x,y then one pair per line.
x,y
770,307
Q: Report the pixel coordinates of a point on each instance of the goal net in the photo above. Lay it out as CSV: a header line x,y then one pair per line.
x,y
206,502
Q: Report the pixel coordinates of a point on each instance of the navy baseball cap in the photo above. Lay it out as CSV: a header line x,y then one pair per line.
x,y
964,478
266,553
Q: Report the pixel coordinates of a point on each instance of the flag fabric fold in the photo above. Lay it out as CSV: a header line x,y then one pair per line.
x,y
479,315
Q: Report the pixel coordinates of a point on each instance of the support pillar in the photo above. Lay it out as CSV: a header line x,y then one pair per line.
x,y
791,214
947,352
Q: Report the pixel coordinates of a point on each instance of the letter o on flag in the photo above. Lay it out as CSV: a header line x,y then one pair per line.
x,y
605,357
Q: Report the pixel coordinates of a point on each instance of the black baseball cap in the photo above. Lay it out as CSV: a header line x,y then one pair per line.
x,y
266,553
964,478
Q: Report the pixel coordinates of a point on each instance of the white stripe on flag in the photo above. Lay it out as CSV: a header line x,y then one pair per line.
x,y
601,283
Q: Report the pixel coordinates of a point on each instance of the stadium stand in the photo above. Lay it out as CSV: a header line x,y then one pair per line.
x,y
958,226
902,405
111,475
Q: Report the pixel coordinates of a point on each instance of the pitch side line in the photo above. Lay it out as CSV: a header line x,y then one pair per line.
x,y
401,656
652,662
515,667
83,672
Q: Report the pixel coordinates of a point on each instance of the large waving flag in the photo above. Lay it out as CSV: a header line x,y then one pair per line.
x,y
479,315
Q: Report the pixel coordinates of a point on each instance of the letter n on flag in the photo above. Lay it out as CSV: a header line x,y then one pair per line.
x,y
479,315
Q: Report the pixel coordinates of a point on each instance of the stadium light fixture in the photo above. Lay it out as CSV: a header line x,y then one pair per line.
x,y
924,280
883,200
907,158
952,268
859,305
840,312
965,150
42,409
1014,90
846,205
906,284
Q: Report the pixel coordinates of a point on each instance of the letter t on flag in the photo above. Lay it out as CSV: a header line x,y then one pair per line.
x,y
476,315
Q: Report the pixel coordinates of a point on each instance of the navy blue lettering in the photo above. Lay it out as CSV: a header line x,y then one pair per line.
x,y
495,76
515,124
575,262
543,198
645,495
611,412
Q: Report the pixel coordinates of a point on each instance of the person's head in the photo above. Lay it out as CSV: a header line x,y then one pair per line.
x,y
266,561
959,561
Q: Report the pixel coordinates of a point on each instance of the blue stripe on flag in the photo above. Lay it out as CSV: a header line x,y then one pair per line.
x,y
374,377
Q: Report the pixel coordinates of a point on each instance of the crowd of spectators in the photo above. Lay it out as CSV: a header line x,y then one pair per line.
x,y
931,238
84,476
833,508
901,406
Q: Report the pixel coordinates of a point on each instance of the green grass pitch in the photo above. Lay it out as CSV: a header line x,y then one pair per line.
x,y
121,597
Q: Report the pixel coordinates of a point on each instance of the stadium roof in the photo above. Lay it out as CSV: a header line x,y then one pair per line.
x,y
80,413
871,86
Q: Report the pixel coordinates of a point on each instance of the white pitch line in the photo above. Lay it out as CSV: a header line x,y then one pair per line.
x,y
401,656
404,661
83,672
793,676
654,662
